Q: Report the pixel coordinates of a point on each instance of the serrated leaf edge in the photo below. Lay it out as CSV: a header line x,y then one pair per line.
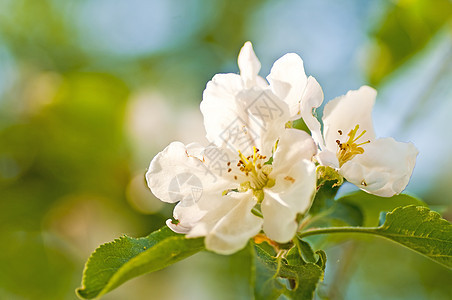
x,y
95,253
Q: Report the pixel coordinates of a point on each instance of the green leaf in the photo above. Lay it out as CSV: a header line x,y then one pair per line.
x,y
266,284
301,125
305,251
321,262
116,262
274,275
415,227
309,276
421,230
371,206
328,183
359,209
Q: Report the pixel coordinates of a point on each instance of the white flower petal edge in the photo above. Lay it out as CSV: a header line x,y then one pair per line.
x,y
177,159
343,113
242,109
219,106
233,231
384,169
293,145
281,99
379,166
290,83
295,182
249,65
311,100
291,195
191,215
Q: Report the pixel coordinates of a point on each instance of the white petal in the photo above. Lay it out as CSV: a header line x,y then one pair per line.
x,y
177,228
345,112
187,218
232,232
296,186
249,65
288,81
177,174
218,160
292,194
219,105
311,100
203,217
384,168
238,118
293,146
198,218
261,82
266,116
328,158
279,220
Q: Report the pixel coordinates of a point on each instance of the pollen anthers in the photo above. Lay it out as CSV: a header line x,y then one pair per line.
x,y
350,148
256,171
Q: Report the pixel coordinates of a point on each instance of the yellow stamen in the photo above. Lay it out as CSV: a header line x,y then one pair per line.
x,y
254,155
243,158
258,173
346,151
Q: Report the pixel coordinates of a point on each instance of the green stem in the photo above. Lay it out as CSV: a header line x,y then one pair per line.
x,y
297,244
313,218
336,230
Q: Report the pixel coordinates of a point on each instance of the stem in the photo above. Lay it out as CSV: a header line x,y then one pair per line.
x,y
296,242
336,230
304,222
312,219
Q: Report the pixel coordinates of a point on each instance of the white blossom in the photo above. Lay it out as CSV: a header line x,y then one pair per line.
x,y
380,166
256,174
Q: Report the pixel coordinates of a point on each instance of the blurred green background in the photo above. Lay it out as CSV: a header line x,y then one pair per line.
x,y
90,91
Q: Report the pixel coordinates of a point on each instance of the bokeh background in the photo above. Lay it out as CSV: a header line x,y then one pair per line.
x,y
90,91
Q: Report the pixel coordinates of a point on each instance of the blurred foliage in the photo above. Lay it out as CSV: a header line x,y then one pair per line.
x,y
63,149
37,33
405,29
66,159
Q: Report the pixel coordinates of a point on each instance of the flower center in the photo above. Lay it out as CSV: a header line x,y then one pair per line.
x,y
257,172
350,148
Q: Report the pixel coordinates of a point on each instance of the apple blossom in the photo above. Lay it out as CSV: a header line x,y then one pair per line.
x,y
255,175
378,166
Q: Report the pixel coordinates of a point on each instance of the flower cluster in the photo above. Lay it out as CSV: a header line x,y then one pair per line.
x,y
258,173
